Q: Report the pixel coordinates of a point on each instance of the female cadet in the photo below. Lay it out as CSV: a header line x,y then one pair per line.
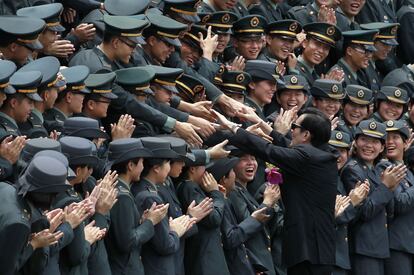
x,y
401,221
368,234
392,103
355,108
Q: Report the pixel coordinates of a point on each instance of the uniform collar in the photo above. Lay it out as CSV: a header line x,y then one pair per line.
x,y
305,64
37,113
124,184
315,6
60,112
343,62
9,118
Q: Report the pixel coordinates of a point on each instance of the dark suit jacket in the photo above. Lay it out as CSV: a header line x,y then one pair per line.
x,y
308,193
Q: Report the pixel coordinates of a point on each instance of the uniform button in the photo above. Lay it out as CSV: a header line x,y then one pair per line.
x,y
221,244
386,225
269,248
140,258
346,239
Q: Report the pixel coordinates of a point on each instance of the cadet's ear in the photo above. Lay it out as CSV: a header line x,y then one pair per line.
x,y
13,102
151,40
13,47
115,42
348,51
252,85
68,97
268,39
90,104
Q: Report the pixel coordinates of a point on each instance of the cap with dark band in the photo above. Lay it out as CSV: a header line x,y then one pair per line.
x,y
49,67
165,28
50,13
126,7
22,30
126,26
84,127
371,128
323,32
75,78
218,77
166,77
263,70
294,82
251,25
340,139
358,94
364,38
186,9
125,149
393,94
136,80
398,126
287,29
387,32
188,87
26,83
235,82
7,69
327,88
192,38
160,148
100,84
220,22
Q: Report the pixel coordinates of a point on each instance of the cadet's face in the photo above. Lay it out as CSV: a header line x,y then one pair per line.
x,y
162,95
161,50
279,46
76,102
323,2
100,108
189,54
263,91
162,172
21,54
390,110
137,169
314,52
354,113
246,168
50,97
125,49
237,97
359,57
343,157
229,182
328,106
23,109
224,5
176,168
197,173
223,41
395,146
47,38
2,98
249,48
382,50
352,7
291,98
368,148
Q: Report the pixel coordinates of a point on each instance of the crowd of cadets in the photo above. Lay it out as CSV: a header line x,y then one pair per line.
x,y
112,160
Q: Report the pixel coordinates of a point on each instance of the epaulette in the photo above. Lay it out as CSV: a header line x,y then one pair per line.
x,y
123,190
297,8
152,189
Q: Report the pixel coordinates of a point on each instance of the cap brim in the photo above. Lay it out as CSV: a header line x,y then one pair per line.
x,y
323,41
165,154
9,90
56,188
389,42
137,39
34,96
172,89
71,174
246,34
84,160
60,83
373,134
109,95
84,91
57,28
339,144
35,45
175,42
234,92
191,18
148,91
217,30
89,133
133,154
370,48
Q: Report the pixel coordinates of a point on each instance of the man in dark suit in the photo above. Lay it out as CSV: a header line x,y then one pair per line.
x,y
309,229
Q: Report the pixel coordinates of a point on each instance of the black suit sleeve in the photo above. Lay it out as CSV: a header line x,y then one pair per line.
x,y
288,159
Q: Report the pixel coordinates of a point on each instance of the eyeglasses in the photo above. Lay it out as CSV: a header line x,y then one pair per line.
x,y
362,51
295,125
131,45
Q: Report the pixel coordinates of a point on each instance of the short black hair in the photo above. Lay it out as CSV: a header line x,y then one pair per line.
x,y
318,124
151,162
108,36
122,167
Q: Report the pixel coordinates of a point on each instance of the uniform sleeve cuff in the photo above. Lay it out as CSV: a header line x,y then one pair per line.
x,y
169,124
